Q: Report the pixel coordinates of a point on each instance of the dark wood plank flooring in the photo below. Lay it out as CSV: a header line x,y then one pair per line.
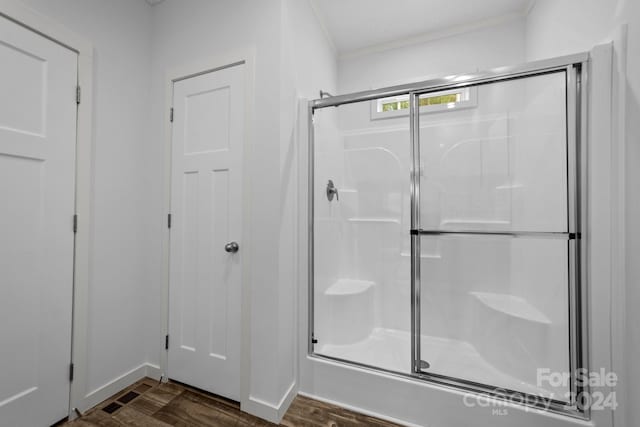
x,y
147,403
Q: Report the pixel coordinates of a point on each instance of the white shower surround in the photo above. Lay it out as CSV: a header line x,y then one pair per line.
x,y
317,380
500,166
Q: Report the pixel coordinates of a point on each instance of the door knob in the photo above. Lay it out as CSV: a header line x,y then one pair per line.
x,y
232,247
332,191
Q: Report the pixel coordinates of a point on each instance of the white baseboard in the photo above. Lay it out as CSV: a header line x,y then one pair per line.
x,y
359,410
153,371
123,381
255,406
268,411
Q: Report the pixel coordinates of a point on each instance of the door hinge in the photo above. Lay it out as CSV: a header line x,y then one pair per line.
x,y
78,94
166,342
71,372
171,114
75,223
169,220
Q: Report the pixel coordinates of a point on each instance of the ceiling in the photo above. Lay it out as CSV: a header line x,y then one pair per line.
x,y
356,24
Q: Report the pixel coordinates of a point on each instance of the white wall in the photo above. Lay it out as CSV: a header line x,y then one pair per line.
x,y
502,44
313,58
292,59
132,42
206,30
570,26
119,274
308,64
556,28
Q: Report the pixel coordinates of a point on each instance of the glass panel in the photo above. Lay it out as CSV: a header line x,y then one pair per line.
x,y
494,310
501,165
361,240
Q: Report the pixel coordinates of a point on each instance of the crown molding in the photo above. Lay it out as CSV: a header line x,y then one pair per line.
x,y
435,35
323,25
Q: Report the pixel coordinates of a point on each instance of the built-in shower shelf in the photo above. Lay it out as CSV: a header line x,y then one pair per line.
x,y
379,220
513,306
428,256
349,287
348,191
509,186
472,224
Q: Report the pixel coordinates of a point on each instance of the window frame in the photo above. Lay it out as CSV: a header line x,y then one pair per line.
x,y
469,97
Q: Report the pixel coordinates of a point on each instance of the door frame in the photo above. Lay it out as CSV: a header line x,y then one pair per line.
x,y
44,26
245,56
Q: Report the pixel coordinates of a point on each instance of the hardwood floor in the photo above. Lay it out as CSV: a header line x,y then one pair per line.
x,y
148,403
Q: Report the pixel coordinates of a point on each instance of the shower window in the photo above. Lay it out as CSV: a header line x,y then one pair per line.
x,y
447,100
451,250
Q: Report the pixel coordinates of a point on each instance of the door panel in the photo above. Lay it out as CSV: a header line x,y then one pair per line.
x,y
205,280
496,265
37,180
361,248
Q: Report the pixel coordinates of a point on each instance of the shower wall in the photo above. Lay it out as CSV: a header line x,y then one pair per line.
x,y
329,240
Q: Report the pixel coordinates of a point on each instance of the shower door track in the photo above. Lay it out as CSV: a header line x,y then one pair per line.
x,y
575,67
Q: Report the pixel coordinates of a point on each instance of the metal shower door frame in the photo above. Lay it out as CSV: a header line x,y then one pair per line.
x,y
575,68
575,185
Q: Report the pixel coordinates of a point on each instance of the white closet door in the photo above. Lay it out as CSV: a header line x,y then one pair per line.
x,y
38,78
206,208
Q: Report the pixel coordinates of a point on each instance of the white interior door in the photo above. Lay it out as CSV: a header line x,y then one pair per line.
x,y
206,199
38,78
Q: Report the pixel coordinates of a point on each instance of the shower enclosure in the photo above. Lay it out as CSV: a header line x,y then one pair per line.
x,y
444,231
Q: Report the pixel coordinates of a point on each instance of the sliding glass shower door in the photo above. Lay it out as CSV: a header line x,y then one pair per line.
x,y
494,211
445,242
361,217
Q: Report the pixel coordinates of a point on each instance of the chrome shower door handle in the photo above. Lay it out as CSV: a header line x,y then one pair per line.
x,y
332,191
232,247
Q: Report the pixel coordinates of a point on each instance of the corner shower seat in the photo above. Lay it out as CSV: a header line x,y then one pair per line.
x,y
513,322
512,306
350,303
